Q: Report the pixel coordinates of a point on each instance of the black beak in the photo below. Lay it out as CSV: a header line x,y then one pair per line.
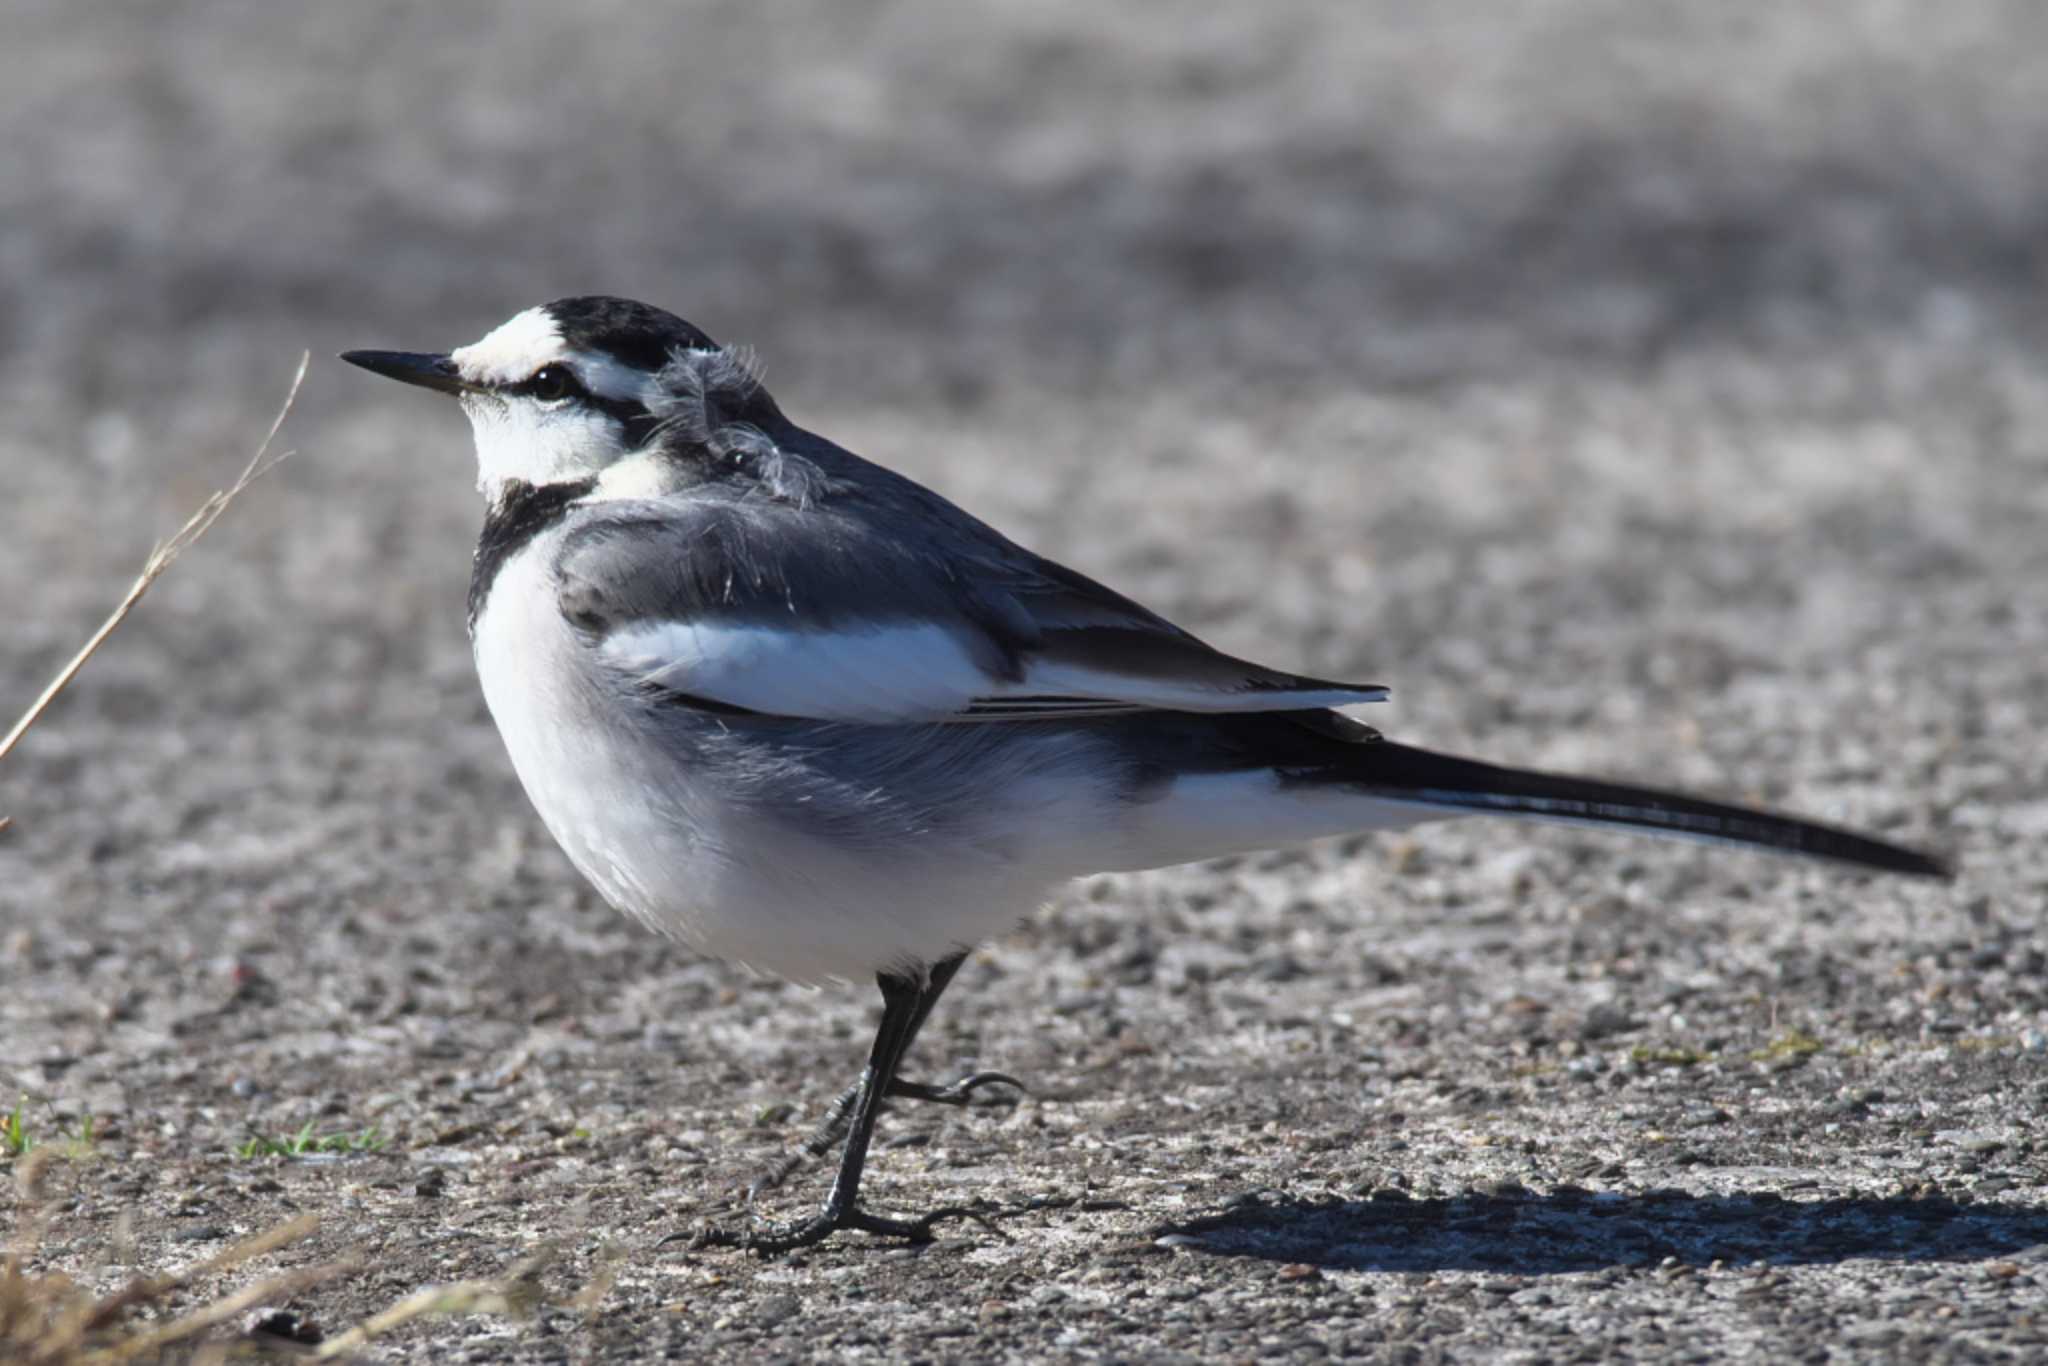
x,y
411,367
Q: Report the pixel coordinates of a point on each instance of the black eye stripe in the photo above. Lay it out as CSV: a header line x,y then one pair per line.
x,y
552,383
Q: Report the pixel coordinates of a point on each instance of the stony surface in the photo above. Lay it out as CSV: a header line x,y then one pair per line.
x,y
1652,389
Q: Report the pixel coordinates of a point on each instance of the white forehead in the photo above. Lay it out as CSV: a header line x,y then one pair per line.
x,y
512,350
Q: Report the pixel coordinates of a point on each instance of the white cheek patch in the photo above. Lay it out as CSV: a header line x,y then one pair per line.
x,y
512,351
520,438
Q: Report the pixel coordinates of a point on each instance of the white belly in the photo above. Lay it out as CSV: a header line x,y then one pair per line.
x,y
664,845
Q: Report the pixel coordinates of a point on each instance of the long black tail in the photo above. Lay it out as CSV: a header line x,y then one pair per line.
x,y
1404,773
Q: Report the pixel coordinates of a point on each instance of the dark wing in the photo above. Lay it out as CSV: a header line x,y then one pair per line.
x,y
814,612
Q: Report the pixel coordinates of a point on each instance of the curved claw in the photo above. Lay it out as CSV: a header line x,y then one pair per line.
x,y
772,1240
955,1093
773,1177
836,1119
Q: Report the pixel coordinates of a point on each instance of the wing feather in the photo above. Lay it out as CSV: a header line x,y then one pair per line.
x,y
815,614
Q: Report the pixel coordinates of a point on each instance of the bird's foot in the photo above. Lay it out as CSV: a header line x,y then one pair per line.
x,y
767,1239
956,1093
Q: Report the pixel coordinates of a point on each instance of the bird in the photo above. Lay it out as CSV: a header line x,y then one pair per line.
x,y
801,712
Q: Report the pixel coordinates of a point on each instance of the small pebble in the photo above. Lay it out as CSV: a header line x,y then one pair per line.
x,y
285,1324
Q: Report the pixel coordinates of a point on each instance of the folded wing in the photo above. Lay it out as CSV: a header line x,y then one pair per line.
x,y
739,605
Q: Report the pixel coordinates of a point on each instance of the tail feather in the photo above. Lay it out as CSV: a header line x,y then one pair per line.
x,y
1382,768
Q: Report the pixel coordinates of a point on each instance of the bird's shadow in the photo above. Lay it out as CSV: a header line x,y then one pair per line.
x,y
1536,1235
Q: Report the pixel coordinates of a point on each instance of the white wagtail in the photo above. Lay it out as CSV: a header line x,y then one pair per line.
x,y
799,711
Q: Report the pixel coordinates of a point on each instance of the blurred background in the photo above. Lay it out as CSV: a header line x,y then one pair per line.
x,y
1635,385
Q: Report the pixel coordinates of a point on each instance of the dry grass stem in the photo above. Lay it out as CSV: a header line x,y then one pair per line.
x,y
516,1294
47,1320
147,1289
161,559
275,1290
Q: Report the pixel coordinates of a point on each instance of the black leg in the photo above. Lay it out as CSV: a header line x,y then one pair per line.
x,y
906,1002
840,1115
822,1140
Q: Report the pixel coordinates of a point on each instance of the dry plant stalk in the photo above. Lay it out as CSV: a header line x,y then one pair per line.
x,y
517,1294
47,1320
161,559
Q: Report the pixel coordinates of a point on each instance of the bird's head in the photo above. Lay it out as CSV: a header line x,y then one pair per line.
x,y
568,390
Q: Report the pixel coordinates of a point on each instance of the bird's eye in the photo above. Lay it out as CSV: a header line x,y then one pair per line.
x,y
552,382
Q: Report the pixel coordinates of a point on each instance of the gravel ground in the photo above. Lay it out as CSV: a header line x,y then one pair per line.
x,y
1641,388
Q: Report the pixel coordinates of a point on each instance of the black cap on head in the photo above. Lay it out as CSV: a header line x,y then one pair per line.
x,y
639,335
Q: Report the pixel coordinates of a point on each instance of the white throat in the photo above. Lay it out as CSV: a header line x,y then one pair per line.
x,y
519,439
